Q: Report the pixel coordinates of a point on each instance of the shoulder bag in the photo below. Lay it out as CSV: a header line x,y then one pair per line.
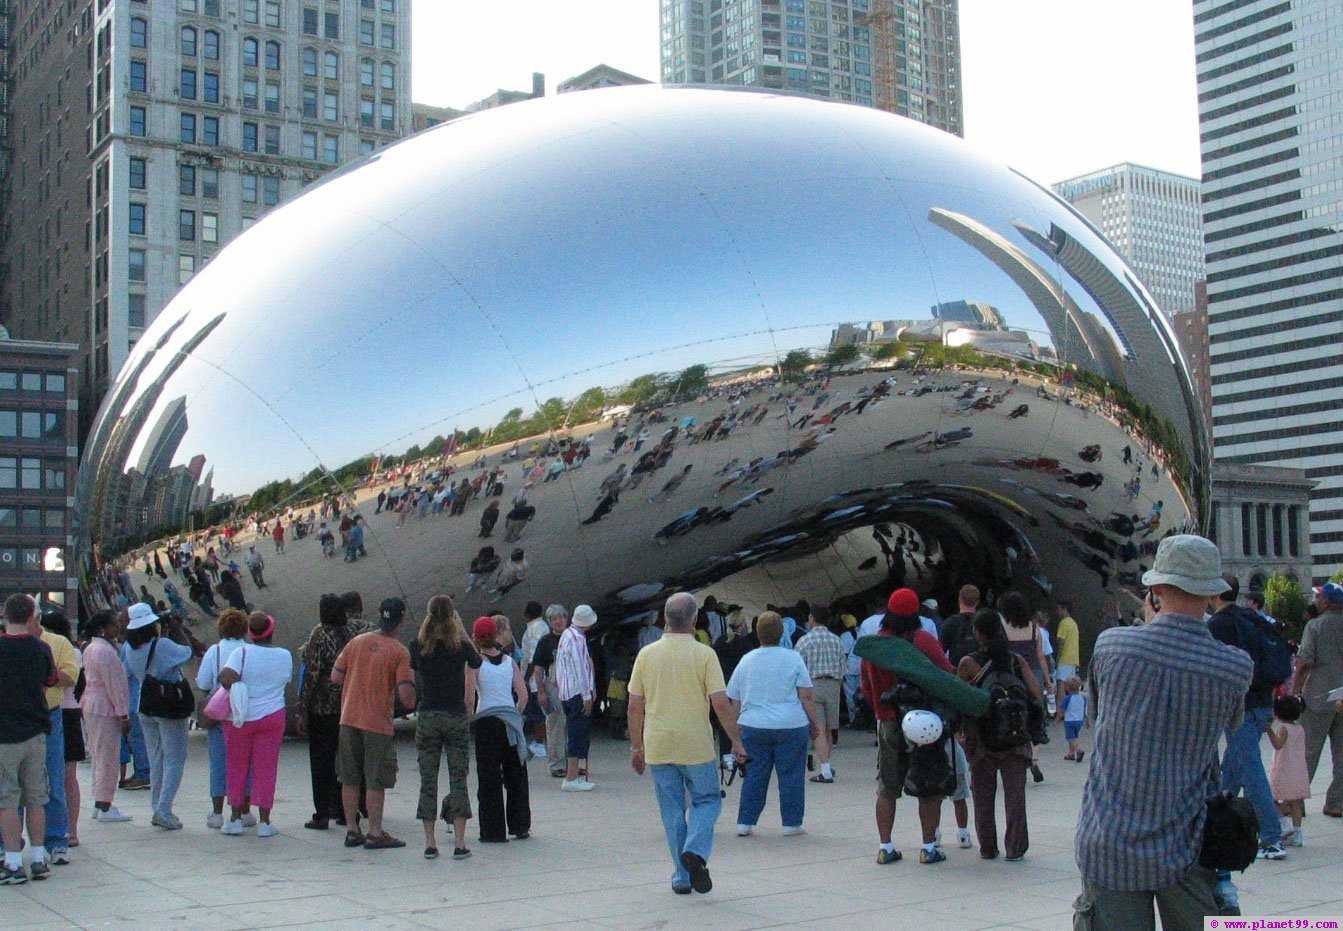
x,y
218,708
160,698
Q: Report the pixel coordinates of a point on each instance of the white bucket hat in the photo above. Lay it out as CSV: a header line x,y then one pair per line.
x,y
1189,563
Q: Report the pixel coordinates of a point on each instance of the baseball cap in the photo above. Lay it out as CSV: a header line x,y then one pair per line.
x,y
391,612
1331,592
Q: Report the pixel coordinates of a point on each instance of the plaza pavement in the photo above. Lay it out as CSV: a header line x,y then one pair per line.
x,y
598,860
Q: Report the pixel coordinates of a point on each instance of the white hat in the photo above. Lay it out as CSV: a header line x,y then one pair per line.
x,y
584,617
930,604
922,728
140,615
1189,563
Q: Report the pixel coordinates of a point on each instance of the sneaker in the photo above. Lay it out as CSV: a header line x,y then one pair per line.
x,y
60,856
248,819
744,830
167,822
265,829
10,877
214,821
700,880
928,857
963,839
112,814
460,853
40,870
885,856
822,778
134,784
1227,897
233,828
1080,754
794,831
1272,852
577,785
431,853
538,750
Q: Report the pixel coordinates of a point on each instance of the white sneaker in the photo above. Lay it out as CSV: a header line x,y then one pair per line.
x,y
794,831
266,829
232,828
577,785
248,819
743,830
963,839
538,750
214,820
112,814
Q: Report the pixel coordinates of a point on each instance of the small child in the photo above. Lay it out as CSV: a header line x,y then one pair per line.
x,y
1289,777
1074,717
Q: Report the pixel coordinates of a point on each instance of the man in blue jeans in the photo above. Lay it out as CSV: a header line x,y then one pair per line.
x,y
674,683
1242,766
133,749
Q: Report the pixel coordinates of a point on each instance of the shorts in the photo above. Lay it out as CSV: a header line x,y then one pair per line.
x,y
1064,672
892,760
578,729
1072,729
533,710
73,723
23,773
961,766
825,692
365,758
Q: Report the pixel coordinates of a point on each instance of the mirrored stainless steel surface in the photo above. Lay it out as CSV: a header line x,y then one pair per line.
x,y
845,352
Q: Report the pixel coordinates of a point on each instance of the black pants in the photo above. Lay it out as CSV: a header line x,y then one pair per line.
x,y
499,773
323,737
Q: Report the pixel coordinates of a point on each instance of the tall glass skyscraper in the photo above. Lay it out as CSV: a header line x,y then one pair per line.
x,y
1271,120
898,55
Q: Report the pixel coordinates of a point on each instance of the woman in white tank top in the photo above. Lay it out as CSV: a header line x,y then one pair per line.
x,y
496,695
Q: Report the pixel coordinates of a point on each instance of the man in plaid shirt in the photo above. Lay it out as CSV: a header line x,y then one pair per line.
x,y
826,663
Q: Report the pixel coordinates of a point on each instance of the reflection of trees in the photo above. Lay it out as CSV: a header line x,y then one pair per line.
x,y
889,349
839,356
793,365
1284,600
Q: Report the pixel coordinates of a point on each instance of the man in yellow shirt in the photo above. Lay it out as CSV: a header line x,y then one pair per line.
x,y
674,683
66,658
1067,650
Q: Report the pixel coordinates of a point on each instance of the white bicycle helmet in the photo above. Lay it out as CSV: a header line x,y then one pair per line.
x,y
922,727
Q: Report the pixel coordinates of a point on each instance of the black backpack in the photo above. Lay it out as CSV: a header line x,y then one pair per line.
x,y
1266,646
930,773
1230,833
1006,724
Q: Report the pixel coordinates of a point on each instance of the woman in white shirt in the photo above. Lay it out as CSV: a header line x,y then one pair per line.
x,y
772,691
265,670
232,629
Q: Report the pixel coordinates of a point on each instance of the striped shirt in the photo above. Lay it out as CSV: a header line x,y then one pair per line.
x,y
1161,695
573,666
823,654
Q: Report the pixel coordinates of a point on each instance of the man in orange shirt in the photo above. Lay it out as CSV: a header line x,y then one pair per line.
x,y
370,669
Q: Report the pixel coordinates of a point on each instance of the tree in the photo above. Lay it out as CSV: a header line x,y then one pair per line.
x,y
842,355
889,349
690,382
795,363
638,390
1284,600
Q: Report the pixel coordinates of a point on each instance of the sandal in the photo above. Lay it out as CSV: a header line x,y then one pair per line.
x,y
354,839
383,841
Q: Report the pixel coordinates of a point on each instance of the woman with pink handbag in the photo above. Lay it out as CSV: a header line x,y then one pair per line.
x,y
253,745
232,630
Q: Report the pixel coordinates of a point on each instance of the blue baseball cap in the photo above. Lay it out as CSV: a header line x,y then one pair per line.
x,y
1331,592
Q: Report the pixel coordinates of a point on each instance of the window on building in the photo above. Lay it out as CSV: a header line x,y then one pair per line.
x,y
386,115
187,131
187,84
270,191
209,227
273,14
330,109
210,87
366,113
250,10
366,69
331,25
31,381
210,183
331,150
211,7
186,225
366,32
139,32
137,173
388,6
389,35
135,266
30,470
272,97
310,102
249,137
30,427
331,66
310,145
188,42
272,140
55,384
249,189
249,93
187,6
186,267
139,76
366,146
310,62
136,219
388,76
250,50
272,56
309,21
9,424
186,180
135,309
210,45
9,475
210,130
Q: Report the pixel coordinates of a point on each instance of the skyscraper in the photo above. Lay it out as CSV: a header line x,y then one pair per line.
x,y
1152,218
898,55
145,134
1269,114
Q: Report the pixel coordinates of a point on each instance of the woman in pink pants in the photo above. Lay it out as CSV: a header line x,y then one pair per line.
x,y
265,670
106,705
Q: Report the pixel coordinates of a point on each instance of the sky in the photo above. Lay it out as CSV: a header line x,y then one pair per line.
x,y
1054,88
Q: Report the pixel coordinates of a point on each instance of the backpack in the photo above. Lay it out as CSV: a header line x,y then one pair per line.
x,y
930,773
1006,724
1230,833
1266,646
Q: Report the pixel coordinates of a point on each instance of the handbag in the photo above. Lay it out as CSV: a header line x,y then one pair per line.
x,y
218,708
160,698
1230,833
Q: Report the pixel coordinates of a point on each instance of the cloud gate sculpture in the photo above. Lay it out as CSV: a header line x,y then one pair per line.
x,y
752,345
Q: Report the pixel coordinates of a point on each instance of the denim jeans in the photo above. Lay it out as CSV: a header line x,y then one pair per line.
x,y
58,817
673,783
214,741
782,750
133,748
1243,768
166,740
